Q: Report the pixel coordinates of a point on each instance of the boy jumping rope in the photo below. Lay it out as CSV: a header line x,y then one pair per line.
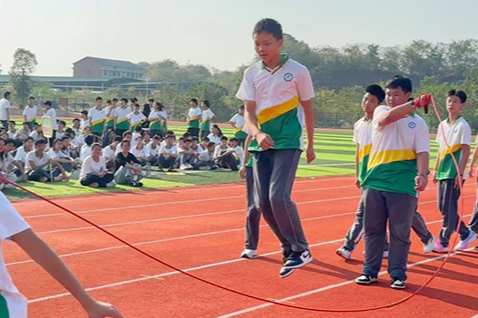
x,y
13,304
363,131
397,170
278,92
458,135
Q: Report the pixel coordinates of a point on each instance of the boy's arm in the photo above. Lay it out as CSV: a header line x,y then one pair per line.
x,y
423,161
465,150
473,161
309,126
437,163
263,140
398,112
42,254
357,182
247,155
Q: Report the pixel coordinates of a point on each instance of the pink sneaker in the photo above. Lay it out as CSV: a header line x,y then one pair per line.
x,y
439,248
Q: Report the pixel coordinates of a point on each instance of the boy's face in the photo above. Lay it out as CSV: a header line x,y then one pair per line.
x,y
169,141
139,141
99,103
31,102
241,111
83,116
186,145
12,126
136,109
224,142
454,105
29,144
193,104
26,127
210,149
233,144
61,126
194,143
204,143
128,137
267,46
369,103
40,147
396,96
76,123
204,107
9,147
123,103
66,143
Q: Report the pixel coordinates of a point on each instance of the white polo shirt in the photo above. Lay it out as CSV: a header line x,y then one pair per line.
x,y
31,156
457,134
136,119
98,117
121,115
278,94
52,114
363,131
392,165
30,113
4,105
11,223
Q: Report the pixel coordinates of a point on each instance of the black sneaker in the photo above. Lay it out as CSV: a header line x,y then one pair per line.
x,y
398,284
285,256
140,184
366,280
284,272
298,259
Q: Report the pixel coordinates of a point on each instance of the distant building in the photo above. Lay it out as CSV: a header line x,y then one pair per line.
x,y
93,67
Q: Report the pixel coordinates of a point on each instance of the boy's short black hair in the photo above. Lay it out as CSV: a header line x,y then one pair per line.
x,y
84,112
47,103
31,97
168,136
10,141
157,137
26,123
458,93
29,138
399,81
138,128
187,135
224,138
182,139
376,91
65,137
6,94
205,139
137,105
211,144
234,139
194,139
115,99
270,26
194,100
124,100
76,119
124,141
206,103
117,138
126,133
98,98
108,101
40,142
89,139
62,122
12,122
187,140
241,107
170,132
151,100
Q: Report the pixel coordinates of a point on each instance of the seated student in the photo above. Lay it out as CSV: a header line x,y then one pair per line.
x,y
68,148
238,151
94,172
205,158
4,163
37,162
14,167
22,151
86,149
57,155
127,135
153,150
22,134
61,129
195,146
110,153
129,171
186,155
4,135
108,137
215,135
137,133
37,132
12,129
79,141
224,155
140,152
76,127
168,154
204,142
146,137
14,305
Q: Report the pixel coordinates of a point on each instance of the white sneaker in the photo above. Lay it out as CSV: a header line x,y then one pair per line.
x,y
463,245
439,248
249,253
111,184
430,246
344,253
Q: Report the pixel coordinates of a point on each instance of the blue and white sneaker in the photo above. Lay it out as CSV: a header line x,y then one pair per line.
x,y
463,245
284,272
298,260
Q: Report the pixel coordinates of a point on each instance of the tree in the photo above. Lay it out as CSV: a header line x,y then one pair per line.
x,y
24,63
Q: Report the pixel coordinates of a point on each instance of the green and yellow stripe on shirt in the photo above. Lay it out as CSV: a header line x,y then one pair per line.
x,y
155,124
363,158
97,126
446,166
110,121
193,122
238,133
206,124
122,124
136,123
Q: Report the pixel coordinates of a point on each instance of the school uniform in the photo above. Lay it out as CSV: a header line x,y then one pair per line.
x,y
155,123
389,190
239,121
457,134
98,119
122,121
135,119
52,114
194,115
206,118
278,94
30,113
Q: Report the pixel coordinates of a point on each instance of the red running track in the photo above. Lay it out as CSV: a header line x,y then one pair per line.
x,y
202,230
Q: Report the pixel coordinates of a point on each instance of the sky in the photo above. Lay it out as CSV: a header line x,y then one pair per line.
x,y
215,33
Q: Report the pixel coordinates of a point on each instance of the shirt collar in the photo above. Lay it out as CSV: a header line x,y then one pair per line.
x,y
284,60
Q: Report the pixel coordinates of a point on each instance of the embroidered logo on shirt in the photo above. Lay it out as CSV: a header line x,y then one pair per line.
x,y
412,125
288,77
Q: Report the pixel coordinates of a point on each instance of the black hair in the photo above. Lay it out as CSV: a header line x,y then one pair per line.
x,y
96,144
124,100
10,141
29,138
168,136
182,139
139,137
399,81
31,97
151,100
241,107
224,138
26,123
194,100
206,103
205,139
138,128
76,119
234,139
12,122
65,137
115,99
70,132
376,91
89,139
6,94
126,133
108,101
170,132
210,144
62,122
458,93
157,137
124,141
187,140
270,26
194,139
84,112
98,98
219,130
40,142
47,103
137,105
187,135
117,138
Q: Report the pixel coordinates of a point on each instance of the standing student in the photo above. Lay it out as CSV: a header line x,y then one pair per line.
x,y
14,305
5,109
97,118
278,95
453,134
206,117
194,116
85,120
30,111
136,118
76,127
397,171
146,111
253,217
237,122
121,117
51,112
156,121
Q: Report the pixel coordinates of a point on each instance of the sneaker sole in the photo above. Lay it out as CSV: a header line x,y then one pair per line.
x,y
287,273
301,265
366,283
249,257
341,255
397,287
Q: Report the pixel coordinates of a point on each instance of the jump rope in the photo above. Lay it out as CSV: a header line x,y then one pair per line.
x,y
330,310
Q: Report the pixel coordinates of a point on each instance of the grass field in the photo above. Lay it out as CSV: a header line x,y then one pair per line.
x,y
335,156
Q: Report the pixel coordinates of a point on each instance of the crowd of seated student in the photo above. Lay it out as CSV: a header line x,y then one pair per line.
x,y
105,159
